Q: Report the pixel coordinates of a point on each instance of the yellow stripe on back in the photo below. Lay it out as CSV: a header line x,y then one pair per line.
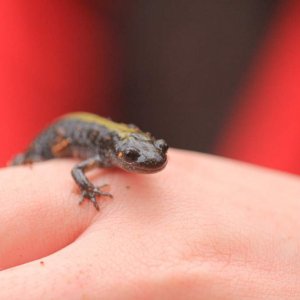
x,y
120,128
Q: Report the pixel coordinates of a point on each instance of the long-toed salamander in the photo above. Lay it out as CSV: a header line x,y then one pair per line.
x,y
99,142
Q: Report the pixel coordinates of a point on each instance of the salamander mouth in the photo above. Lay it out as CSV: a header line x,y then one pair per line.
x,y
149,170
145,168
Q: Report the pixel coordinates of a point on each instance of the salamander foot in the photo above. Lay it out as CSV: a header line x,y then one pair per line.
x,y
92,193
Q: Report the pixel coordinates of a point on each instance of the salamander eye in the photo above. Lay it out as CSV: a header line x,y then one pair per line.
x,y
131,155
162,145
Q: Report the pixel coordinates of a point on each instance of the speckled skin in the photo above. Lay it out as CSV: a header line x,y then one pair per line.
x,y
99,143
83,140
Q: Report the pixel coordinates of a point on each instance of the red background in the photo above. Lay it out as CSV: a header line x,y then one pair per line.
x,y
265,127
55,57
63,56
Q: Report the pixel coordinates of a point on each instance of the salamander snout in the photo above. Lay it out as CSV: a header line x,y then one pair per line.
x,y
150,162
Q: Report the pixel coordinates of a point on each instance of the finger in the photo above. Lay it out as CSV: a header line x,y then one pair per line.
x,y
114,254
39,211
157,224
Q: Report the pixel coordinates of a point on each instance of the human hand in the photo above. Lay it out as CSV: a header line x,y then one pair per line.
x,y
204,228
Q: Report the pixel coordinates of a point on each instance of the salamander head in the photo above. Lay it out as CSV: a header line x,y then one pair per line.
x,y
140,153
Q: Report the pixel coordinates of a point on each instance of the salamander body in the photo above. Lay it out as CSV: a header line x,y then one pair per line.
x,y
98,142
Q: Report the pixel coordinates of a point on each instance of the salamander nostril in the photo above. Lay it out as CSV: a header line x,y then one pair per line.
x,y
162,145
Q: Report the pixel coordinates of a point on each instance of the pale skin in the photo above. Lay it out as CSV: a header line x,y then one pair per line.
x,y
203,228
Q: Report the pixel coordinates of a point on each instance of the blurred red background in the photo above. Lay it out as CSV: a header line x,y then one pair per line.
x,y
264,127
63,56
55,57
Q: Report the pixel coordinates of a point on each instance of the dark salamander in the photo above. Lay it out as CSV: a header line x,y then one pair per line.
x,y
98,142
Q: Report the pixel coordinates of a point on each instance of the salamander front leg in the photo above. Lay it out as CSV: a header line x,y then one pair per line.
x,y
88,190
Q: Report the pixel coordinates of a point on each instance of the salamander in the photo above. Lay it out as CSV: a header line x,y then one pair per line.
x,y
97,142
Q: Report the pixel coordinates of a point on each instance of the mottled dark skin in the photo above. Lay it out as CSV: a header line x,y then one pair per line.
x,y
98,142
